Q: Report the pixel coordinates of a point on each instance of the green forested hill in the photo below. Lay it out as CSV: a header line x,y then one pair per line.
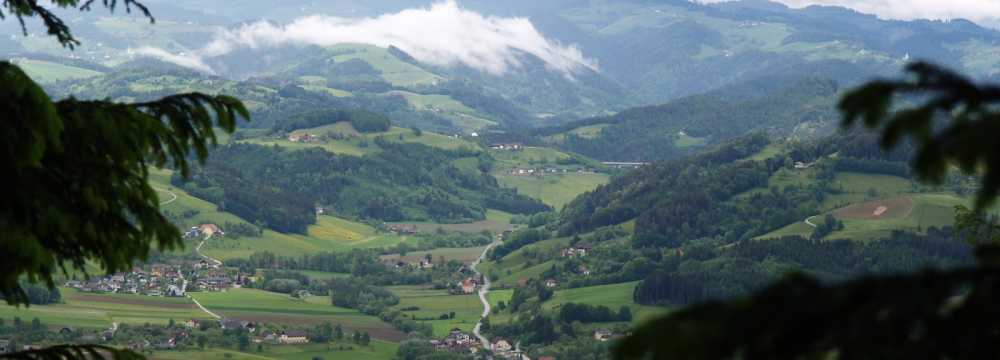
x,y
684,125
280,188
716,225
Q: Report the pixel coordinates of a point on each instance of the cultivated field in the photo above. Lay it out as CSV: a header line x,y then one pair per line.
x,y
465,255
47,72
358,144
611,295
434,303
496,222
554,190
892,208
100,310
275,308
377,350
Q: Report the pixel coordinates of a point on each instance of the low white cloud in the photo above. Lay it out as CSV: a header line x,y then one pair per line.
x,y
188,61
442,34
984,12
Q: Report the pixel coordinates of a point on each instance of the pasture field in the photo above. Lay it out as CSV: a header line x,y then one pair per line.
x,y
919,213
325,89
586,132
395,71
529,156
857,187
554,190
359,144
510,276
275,308
496,221
769,151
377,350
434,303
322,275
465,255
47,72
495,297
684,140
613,296
87,310
328,234
915,212
329,227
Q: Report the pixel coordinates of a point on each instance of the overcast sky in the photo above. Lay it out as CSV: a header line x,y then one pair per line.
x,y
984,12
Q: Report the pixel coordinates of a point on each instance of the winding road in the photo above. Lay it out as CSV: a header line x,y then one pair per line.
x,y
809,221
483,291
197,250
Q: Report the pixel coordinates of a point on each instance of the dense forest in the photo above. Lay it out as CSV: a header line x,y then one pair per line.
x,y
280,189
655,132
751,264
667,185
361,120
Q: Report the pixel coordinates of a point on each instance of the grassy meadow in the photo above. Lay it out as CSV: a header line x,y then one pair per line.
x,y
377,350
433,303
554,190
85,310
275,308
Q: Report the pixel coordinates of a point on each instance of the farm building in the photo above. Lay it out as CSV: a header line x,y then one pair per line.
x,y
502,345
293,337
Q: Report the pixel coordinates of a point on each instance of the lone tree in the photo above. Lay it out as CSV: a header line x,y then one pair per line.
x,y
80,170
935,314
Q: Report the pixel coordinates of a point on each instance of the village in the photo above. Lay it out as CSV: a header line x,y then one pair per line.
x,y
173,279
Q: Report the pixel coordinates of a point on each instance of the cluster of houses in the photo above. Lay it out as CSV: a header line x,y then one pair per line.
x,y
579,250
159,280
401,229
204,231
423,264
162,280
544,171
457,341
217,280
460,342
268,336
624,165
507,147
302,138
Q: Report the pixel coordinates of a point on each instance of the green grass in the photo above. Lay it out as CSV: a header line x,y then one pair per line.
x,y
100,310
514,267
328,234
929,210
48,72
684,140
855,188
586,132
275,308
613,296
353,144
377,350
322,275
465,255
554,190
530,156
496,221
434,303
393,70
